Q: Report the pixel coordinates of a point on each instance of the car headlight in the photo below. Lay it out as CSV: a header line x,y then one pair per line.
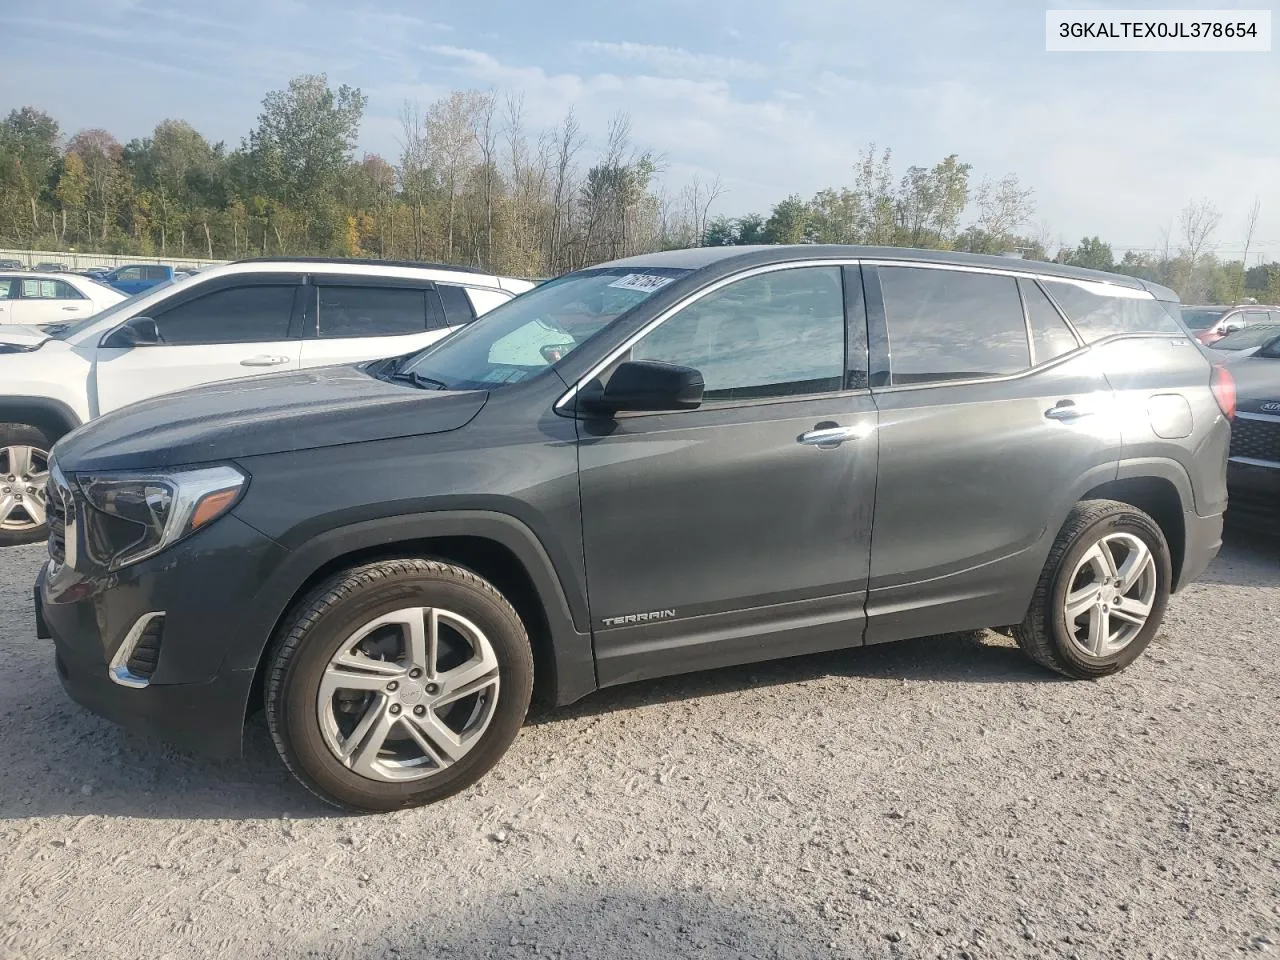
x,y
132,516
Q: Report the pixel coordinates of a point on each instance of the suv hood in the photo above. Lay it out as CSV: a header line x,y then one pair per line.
x,y
276,413
22,336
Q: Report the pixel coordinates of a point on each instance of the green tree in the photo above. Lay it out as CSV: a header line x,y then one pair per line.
x,y
1092,253
28,156
790,222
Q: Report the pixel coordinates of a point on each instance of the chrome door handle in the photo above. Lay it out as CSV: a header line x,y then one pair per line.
x,y
70,308
263,361
832,436
1067,411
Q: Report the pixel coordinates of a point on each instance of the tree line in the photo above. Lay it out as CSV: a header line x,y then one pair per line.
x,y
473,185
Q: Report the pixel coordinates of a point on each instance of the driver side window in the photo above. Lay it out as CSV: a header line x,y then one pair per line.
x,y
776,334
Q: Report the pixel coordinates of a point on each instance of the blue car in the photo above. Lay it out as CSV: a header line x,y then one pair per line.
x,y
136,277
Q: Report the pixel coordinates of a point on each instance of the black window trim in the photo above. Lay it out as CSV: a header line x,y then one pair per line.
x,y
184,294
565,405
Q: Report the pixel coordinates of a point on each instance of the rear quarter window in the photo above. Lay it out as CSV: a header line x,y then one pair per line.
x,y
1100,312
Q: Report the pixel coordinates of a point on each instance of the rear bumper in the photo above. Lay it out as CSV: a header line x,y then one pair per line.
x,y
1204,540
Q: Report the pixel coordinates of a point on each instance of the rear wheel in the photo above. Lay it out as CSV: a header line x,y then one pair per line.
x,y
398,683
1102,594
24,471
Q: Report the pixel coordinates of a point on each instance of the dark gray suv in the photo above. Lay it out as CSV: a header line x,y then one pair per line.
x,y
662,464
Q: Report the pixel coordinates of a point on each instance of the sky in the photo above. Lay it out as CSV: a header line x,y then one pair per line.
x,y
774,96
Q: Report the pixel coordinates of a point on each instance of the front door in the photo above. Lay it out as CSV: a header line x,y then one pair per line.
x,y
740,530
218,330
49,300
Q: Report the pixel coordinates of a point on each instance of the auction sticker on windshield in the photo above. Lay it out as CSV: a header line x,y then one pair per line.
x,y
647,282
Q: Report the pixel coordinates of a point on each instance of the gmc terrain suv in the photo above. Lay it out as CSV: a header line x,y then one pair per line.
x,y
255,316
656,465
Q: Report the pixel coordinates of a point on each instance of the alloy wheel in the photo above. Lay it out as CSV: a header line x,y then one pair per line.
x,y
408,694
24,471
1110,595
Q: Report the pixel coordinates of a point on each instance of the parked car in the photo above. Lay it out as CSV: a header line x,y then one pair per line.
x,y
48,267
1247,340
35,299
9,263
1211,323
1253,471
95,272
667,463
136,277
238,320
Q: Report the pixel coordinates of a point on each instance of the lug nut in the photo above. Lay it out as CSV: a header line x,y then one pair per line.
x,y
419,710
395,708
393,685
432,688
415,673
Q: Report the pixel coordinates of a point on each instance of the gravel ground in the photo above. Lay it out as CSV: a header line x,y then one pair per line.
x,y
935,798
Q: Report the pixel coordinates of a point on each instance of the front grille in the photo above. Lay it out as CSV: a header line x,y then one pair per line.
x,y
1255,439
58,507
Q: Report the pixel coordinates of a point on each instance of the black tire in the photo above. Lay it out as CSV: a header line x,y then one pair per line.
x,y
1043,635
22,434
330,614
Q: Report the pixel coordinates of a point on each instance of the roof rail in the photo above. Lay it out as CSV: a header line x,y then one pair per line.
x,y
370,261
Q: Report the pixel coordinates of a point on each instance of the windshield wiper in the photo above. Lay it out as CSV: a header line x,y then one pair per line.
x,y
418,380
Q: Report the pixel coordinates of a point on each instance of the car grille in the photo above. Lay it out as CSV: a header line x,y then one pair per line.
x,y
58,507
1256,439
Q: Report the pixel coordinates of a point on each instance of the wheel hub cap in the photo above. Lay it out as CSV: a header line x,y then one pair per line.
x,y
1110,595
408,694
24,471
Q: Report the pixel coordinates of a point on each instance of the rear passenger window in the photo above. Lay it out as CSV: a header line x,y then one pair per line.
x,y
952,325
1050,335
457,308
1101,310
371,311
486,300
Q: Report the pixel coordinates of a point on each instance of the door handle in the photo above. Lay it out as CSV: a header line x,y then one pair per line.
x,y
1066,410
262,360
70,308
832,436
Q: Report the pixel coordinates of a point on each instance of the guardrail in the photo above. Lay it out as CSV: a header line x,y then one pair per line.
x,y
78,261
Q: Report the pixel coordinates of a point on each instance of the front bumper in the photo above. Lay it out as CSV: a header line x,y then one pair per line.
x,y
204,587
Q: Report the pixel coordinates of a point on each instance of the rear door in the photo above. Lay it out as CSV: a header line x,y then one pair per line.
x,y
992,417
730,532
217,330
350,319
49,301
10,289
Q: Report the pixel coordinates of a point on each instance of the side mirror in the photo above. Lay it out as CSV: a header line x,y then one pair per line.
x,y
136,332
1231,326
644,386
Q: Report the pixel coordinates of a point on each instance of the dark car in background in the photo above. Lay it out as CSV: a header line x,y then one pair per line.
x,y
1253,470
1210,323
668,463
1247,340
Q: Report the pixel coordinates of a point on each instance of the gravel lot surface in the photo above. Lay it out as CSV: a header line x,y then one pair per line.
x,y
935,798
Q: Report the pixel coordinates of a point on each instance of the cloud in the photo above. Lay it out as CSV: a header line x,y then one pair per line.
x,y
670,61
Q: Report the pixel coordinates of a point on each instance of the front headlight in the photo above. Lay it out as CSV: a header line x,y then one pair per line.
x,y
134,516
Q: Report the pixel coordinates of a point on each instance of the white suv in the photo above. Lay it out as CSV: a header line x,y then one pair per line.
x,y
251,317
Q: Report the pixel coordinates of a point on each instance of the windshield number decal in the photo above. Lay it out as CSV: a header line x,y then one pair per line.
x,y
647,282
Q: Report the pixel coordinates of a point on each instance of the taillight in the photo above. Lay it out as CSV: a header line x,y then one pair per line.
x,y
1224,390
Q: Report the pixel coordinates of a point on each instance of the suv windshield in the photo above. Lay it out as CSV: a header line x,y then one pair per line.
x,y
528,334
1201,318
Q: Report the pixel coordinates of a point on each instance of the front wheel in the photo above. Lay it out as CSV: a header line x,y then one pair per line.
x,y
24,471
398,683
1102,594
